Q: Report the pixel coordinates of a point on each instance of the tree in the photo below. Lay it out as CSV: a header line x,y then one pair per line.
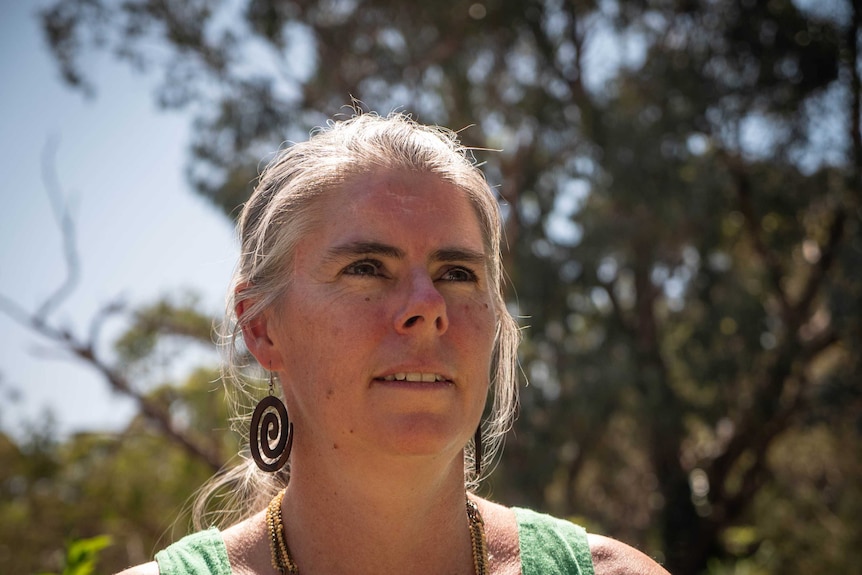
x,y
133,485
682,176
77,489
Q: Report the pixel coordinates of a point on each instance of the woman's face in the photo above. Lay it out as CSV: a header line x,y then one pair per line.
x,y
384,337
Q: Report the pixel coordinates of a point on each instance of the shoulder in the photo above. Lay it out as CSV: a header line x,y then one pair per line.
x,y
247,545
200,553
547,540
151,568
612,557
501,531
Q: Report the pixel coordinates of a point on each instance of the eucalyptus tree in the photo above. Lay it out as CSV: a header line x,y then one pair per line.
x,y
681,186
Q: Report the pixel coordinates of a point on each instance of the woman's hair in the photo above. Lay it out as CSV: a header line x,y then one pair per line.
x,y
283,208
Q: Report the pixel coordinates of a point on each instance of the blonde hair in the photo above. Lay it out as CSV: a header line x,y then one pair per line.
x,y
281,210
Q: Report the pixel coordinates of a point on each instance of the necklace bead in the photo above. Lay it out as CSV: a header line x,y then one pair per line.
x,y
284,564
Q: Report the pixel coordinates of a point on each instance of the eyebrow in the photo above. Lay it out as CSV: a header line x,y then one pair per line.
x,y
368,248
458,255
363,248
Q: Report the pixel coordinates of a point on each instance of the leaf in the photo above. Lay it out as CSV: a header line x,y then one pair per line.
x,y
82,554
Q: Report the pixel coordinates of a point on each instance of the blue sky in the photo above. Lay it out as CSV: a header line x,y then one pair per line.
x,y
141,230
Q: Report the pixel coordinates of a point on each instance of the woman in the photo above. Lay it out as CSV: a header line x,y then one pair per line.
x,y
369,286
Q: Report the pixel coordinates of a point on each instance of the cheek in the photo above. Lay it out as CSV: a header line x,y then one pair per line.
x,y
337,333
479,324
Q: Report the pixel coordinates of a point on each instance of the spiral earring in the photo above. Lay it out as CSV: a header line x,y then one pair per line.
x,y
271,433
477,451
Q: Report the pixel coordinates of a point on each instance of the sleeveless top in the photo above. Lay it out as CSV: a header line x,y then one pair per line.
x,y
549,546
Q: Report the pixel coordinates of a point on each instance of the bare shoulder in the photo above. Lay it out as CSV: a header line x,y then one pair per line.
x,y
151,568
612,557
501,530
248,546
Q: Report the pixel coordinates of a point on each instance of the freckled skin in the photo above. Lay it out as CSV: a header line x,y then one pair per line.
x,y
335,330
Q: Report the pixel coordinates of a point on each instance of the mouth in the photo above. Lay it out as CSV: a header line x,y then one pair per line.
x,y
414,377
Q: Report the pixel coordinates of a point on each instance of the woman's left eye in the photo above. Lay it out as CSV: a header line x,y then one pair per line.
x,y
459,274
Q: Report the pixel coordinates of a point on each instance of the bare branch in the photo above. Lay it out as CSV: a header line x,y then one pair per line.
x,y
149,408
106,311
60,209
15,312
85,351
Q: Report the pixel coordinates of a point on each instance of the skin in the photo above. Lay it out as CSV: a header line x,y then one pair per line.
x,y
392,281
400,289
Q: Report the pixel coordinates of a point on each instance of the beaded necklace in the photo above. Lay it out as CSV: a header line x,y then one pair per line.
x,y
284,564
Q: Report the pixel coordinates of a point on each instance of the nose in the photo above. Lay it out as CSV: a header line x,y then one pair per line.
x,y
424,308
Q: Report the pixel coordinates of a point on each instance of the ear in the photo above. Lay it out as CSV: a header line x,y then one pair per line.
x,y
258,336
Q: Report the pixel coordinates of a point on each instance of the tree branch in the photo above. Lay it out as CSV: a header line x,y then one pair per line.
x,y
746,206
60,210
758,443
152,410
86,350
819,270
619,312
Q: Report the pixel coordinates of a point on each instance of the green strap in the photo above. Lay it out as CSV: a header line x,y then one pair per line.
x,y
551,546
201,553
548,546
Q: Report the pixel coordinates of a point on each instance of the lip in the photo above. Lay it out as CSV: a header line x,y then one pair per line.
x,y
414,377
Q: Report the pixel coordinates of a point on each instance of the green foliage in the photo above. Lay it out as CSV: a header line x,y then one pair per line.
x,y
681,183
82,554
177,317
135,485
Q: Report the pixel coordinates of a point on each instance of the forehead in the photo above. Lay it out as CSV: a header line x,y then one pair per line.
x,y
401,205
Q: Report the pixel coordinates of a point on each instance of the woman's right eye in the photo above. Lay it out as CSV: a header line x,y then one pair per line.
x,y
364,268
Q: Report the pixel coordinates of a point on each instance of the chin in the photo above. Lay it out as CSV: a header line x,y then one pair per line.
x,y
425,435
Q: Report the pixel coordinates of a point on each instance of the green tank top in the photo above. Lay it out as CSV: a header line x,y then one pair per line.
x,y
549,546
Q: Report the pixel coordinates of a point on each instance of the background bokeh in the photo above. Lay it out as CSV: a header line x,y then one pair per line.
x,y
682,186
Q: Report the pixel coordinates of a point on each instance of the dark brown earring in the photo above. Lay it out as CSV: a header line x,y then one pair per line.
x,y
477,451
271,433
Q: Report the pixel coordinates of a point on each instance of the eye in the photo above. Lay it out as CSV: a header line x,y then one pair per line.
x,y
459,274
371,268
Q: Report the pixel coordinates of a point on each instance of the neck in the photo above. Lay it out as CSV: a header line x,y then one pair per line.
x,y
389,518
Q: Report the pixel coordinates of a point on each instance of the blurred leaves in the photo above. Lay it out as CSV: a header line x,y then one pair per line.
x,y
168,317
81,555
134,485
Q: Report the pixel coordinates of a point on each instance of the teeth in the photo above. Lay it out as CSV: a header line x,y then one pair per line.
x,y
423,377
